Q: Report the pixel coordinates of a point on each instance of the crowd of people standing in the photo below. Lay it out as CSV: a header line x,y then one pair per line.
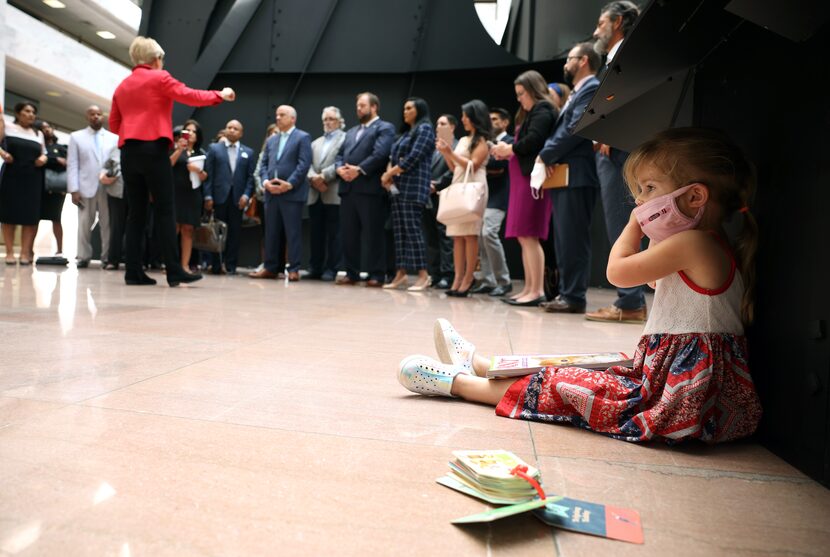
x,y
356,184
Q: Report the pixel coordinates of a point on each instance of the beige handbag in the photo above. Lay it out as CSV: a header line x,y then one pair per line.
x,y
463,201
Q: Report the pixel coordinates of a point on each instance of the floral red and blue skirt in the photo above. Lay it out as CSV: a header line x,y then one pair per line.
x,y
682,386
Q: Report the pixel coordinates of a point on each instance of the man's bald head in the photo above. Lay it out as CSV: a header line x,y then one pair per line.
x,y
95,117
233,131
286,117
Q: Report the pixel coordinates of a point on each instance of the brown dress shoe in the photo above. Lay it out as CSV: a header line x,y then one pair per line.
x,y
293,276
613,314
345,281
262,274
558,305
374,283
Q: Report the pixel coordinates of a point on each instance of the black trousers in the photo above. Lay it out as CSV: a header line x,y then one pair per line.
x,y
147,171
118,223
362,220
324,228
229,213
438,246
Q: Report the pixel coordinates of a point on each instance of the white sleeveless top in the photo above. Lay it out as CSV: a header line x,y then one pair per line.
x,y
680,306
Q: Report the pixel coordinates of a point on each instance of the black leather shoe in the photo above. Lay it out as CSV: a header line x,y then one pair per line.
x,y
558,305
442,284
175,279
501,290
459,293
482,289
139,280
529,303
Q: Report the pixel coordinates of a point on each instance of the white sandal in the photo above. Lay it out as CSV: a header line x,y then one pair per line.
x,y
452,348
425,376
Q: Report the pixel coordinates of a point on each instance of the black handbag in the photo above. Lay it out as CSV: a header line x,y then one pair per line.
x,y
55,181
211,236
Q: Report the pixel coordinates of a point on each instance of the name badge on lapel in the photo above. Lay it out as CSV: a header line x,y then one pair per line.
x,y
244,155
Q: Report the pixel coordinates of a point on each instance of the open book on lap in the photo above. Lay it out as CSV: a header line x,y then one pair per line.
x,y
517,366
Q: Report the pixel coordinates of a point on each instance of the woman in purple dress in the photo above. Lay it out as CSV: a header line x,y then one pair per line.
x,y
528,219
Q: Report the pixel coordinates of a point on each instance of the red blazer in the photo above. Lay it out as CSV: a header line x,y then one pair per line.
x,y
142,105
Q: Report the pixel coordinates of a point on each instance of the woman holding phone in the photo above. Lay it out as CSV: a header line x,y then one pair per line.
x,y
188,200
141,116
475,148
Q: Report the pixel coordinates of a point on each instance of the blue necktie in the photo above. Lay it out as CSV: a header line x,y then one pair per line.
x,y
283,141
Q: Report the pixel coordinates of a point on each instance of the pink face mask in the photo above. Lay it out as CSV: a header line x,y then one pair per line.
x,y
661,218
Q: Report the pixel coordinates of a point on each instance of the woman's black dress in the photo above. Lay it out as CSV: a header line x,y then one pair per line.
x,y
188,201
22,182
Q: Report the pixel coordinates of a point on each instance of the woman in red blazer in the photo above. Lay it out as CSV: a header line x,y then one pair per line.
x,y
141,116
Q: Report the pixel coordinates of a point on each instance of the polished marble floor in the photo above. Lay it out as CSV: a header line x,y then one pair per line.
x,y
243,417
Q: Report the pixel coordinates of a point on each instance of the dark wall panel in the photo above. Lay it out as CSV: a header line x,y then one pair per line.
x,y
789,349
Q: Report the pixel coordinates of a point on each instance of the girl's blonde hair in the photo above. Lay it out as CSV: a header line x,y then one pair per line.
x,y
145,50
708,156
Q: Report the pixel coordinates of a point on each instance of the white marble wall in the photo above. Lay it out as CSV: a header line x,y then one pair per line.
x,y
66,62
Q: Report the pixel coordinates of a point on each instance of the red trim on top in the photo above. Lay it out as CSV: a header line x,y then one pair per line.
x,y
725,286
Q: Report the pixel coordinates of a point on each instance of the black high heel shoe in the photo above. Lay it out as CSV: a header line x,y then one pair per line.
x,y
461,293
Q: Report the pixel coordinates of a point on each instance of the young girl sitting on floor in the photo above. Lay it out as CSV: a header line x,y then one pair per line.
x,y
690,377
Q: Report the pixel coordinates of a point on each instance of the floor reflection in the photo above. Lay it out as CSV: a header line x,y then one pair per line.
x,y
25,287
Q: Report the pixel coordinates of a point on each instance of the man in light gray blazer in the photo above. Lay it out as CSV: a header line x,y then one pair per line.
x,y
323,198
88,150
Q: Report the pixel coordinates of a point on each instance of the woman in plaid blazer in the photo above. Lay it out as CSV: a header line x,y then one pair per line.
x,y
407,179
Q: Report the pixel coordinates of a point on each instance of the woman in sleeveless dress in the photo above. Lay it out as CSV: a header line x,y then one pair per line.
x,y
475,148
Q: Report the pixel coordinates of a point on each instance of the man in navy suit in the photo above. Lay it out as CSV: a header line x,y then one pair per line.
x,y
284,173
615,21
360,162
229,185
573,206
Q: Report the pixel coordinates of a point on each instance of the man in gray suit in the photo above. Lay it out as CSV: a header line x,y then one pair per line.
x,y
323,198
88,150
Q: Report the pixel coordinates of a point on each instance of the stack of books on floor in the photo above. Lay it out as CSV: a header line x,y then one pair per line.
x,y
487,474
502,478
